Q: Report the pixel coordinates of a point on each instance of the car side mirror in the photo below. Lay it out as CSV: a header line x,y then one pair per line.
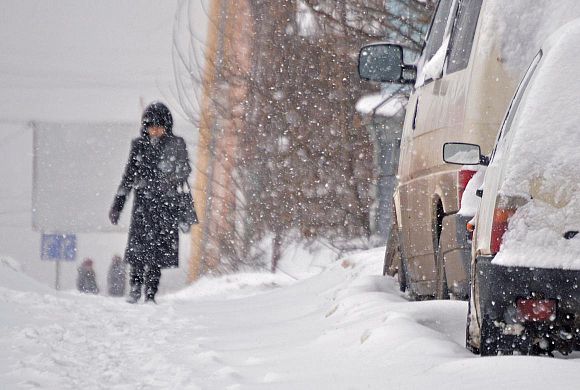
x,y
383,62
463,154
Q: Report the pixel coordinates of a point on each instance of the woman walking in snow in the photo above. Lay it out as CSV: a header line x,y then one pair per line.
x,y
158,166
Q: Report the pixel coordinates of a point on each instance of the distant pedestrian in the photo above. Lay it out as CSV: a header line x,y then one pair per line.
x,y
158,166
116,277
86,279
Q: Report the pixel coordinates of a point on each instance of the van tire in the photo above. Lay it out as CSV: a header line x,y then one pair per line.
x,y
393,262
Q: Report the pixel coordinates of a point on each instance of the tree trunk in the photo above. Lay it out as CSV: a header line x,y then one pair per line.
x,y
276,250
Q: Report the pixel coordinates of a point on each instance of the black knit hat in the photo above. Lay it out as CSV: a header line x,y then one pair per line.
x,y
157,114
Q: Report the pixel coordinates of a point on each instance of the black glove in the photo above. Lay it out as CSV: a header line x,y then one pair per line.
x,y
116,208
114,216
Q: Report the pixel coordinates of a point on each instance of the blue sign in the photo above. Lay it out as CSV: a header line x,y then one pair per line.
x,y
59,247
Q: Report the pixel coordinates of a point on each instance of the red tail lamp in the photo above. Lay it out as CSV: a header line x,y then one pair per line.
x,y
536,309
499,227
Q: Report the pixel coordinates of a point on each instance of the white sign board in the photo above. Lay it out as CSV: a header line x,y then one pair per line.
x,y
77,169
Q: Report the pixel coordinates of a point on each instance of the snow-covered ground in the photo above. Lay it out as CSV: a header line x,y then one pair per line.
x,y
346,327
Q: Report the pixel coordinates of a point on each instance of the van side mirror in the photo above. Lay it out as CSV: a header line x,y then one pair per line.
x,y
463,154
383,62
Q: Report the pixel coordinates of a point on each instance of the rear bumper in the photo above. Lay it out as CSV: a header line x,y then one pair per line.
x,y
499,287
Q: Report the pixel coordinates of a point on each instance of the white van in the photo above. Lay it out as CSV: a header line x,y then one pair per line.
x,y
461,92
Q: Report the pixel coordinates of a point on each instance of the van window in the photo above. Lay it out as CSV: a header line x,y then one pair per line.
x,y
463,34
437,30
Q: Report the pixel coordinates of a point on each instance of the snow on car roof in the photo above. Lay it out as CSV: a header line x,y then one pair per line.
x,y
518,29
546,139
543,161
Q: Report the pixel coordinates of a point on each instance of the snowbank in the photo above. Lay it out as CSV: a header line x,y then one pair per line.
x,y
299,261
347,327
232,286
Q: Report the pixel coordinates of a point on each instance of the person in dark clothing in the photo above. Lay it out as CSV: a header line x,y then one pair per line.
x,y
158,166
116,277
86,279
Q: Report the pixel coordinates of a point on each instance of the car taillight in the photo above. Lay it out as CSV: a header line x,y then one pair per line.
x,y
505,207
463,177
499,226
470,227
536,309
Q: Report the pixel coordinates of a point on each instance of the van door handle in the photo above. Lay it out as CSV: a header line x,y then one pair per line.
x,y
414,126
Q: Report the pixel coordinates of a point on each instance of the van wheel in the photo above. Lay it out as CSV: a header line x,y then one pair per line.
x,y
442,290
393,263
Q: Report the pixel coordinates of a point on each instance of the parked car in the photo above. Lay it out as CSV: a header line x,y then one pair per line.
x,y
525,265
453,99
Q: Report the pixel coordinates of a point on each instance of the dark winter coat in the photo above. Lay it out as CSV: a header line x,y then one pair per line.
x,y
155,170
86,280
